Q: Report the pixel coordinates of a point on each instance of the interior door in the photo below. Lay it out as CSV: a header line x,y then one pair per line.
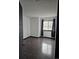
x,y
57,34
20,31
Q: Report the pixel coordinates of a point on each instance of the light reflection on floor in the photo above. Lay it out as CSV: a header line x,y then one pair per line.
x,y
46,49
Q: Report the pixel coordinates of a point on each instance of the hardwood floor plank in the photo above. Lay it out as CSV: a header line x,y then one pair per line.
x,y
38,48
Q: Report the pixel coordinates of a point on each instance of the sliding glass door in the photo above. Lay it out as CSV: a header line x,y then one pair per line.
x,y
47,28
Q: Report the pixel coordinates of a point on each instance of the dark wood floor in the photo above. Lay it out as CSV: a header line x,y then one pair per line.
x,y
38,48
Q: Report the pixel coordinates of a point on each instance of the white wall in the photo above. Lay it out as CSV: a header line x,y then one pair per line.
x,y
34,26
31,26
26,26
39,27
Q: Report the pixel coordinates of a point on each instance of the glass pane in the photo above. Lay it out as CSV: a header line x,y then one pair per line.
x,y
50,25
45,25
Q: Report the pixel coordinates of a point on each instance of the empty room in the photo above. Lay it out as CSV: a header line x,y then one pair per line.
x,y
38,29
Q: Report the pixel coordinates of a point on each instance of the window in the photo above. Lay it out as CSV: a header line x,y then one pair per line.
x,y
47,25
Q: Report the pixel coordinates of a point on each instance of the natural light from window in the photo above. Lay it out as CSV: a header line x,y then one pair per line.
x,y
47,25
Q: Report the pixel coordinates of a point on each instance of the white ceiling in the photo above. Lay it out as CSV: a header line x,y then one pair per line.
x,y
37,8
